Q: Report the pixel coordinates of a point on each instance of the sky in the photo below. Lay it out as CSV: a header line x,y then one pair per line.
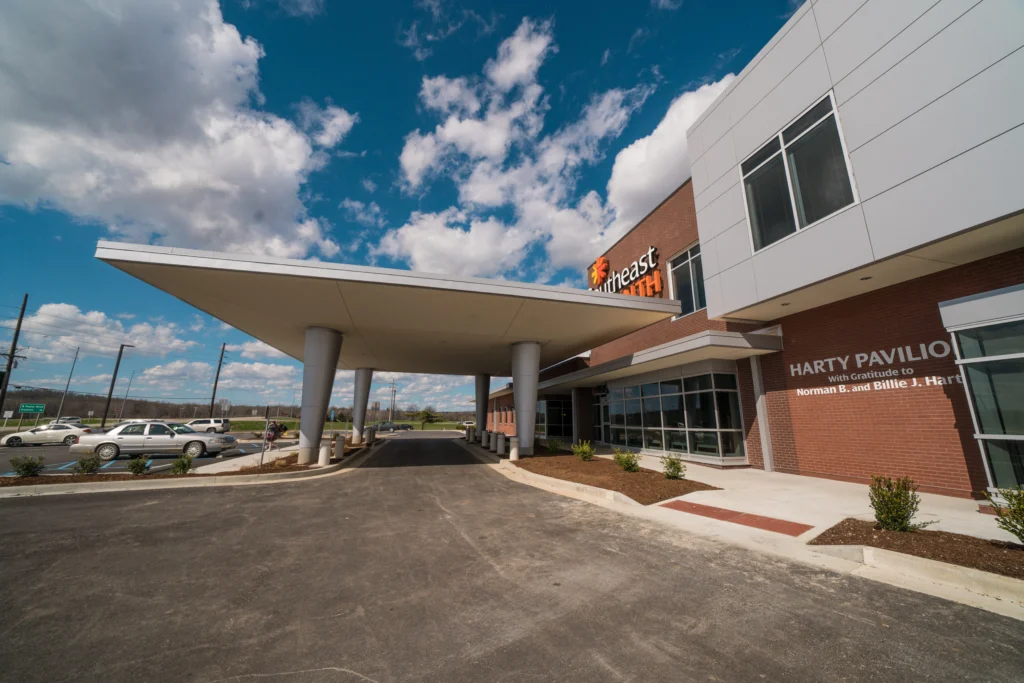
x,y
500,140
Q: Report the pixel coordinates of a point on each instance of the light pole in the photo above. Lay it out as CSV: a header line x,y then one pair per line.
x,y
120,415
106,408
66,386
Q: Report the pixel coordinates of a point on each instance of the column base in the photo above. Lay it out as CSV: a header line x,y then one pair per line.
x,y
307,456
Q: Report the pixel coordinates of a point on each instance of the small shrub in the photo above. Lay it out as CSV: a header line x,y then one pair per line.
x,y
182,464
583,450
87,464
27,465
555,445
1011,516
895,502
138,465
627,460
674,467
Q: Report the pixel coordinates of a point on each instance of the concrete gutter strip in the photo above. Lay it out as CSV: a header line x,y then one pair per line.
x,y
185,483
552,483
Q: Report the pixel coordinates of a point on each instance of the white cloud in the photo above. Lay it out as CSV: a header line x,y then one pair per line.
x,y
54,331
369,185
441,24
197,324
327,125
450,242
365,214
605,56
520,56
298,8
647,170
666,4
254,350
144,116
491,146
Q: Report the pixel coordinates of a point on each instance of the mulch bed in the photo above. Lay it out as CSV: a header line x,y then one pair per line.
x,y
997,557
645,487
287,464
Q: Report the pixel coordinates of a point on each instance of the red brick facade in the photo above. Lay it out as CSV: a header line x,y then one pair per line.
x,y
923,431
671,228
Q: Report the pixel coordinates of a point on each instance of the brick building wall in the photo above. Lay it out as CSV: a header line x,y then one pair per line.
x,y
923,431
671,227
501,415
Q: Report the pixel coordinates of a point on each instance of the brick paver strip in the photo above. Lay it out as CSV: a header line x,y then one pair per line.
x,y
780,526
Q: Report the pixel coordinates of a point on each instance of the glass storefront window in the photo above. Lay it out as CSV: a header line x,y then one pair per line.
x,y
732,444
997,389
672,412
704,443
652,412
728,410
672,386
725,381
615,395
994,340
1006,460
675,440
700,411
634,413
698,383
698,415
617,412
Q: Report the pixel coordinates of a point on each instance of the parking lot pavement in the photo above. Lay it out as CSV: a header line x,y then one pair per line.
x,y
426,565
59,460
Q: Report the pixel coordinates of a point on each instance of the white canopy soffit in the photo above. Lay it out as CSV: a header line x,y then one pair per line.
x,y
392,320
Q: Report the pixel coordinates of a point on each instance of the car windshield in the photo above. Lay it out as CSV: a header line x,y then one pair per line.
x,y
181,429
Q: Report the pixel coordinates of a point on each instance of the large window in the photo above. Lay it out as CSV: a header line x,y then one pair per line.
x,y
554,418
992,359
798,178
699,415
687,281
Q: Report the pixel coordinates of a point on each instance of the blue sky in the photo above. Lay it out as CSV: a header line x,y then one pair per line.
x,y
511,140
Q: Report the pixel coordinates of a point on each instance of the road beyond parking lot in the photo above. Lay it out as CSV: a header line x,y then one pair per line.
x,y
426,565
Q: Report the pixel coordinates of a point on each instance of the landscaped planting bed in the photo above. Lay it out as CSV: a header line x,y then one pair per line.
x,y
645,487
998,557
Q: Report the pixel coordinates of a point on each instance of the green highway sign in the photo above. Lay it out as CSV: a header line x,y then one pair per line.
x,y
32,408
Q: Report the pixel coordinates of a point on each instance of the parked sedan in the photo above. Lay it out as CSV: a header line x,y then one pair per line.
x,y
152,438
48,434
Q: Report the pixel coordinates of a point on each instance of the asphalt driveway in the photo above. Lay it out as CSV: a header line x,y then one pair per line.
x,y
425,565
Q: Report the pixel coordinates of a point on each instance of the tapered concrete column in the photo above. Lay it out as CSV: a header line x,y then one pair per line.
x,y
483,388
525,375
319,362
360,398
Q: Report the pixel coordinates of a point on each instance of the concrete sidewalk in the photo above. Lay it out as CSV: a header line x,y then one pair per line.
x,y
820,503
250,460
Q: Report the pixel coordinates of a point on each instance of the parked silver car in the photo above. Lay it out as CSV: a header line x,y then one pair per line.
x,y
152,438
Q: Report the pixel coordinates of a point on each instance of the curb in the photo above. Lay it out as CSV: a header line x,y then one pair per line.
x,y
198,482
942,574
567,486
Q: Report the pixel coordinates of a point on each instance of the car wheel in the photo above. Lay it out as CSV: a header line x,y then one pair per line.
x,y
14,442
107,451
70,440
211,430
392,430
195,449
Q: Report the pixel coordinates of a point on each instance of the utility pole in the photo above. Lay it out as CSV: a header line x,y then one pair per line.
x,y
14,349
66,386
216,379
117,365
120,414
391,409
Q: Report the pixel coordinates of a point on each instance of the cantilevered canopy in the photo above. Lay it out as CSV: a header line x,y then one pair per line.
x,y
393,320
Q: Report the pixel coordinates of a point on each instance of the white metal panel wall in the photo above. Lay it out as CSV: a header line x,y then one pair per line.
x,y
931,101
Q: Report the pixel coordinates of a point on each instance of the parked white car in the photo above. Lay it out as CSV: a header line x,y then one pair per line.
x,y
48,434
220,425
152,438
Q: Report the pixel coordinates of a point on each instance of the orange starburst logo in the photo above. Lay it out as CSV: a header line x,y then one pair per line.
x,y
599,271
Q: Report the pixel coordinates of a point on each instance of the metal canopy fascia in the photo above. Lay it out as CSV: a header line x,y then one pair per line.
x,y
392,320
706,345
